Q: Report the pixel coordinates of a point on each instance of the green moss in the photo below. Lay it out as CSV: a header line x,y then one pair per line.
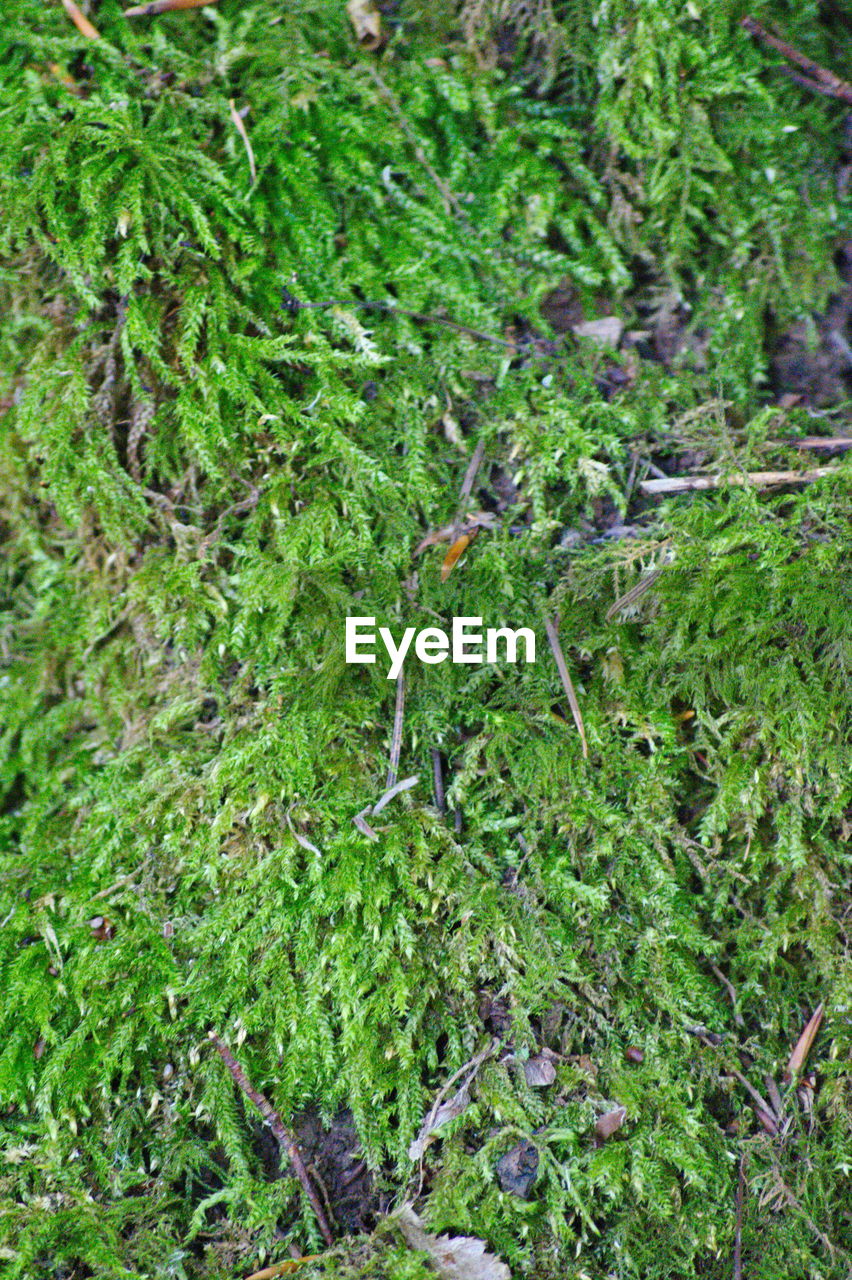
x,y
197,485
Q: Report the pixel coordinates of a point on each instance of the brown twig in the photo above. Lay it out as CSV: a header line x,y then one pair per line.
x,y
81,22
818,78
553,637
282,1134
396,740
760,479
637,590
732,993
738,1235
293,304
450,200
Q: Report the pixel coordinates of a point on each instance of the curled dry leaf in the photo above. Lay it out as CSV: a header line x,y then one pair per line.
x,y
367,21
539,1071
453,1257
803,1045
447,1111
608,1124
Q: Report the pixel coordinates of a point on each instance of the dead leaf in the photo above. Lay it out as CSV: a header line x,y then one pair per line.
x,y
517,1169
608,1124
367,21
455,553
539,1071
605,332
447,1111
81,22
453,1257
803,1046
163,6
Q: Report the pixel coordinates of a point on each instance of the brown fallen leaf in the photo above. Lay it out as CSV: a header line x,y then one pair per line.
x,y
539,1071
455,553
449,1110
81,22
803,1045
367,21
163,6
453,1257
608,1124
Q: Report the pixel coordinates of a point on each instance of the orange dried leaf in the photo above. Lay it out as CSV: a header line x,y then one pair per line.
x,y
803,1046
455,552
286,1268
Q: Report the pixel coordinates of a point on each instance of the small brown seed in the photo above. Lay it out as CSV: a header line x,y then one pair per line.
x,y
634,1054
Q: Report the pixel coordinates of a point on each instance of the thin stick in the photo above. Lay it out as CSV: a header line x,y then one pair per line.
x,y
732,993
631,596
81,22
396,741
241,130
553,637
276,1124
760,479
293,304
420,155
829,82
817,442
738,1235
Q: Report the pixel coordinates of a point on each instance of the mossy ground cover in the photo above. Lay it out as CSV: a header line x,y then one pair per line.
x,y
200,480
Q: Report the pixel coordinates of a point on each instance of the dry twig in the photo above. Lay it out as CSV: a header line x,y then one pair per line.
x,y
281,1132
760,479
396,741
818,78
81,22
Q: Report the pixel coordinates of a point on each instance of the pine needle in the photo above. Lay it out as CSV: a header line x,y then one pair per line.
x,y
553,637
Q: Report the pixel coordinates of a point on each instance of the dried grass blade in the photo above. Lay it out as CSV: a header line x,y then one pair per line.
x,y
241,130
553,638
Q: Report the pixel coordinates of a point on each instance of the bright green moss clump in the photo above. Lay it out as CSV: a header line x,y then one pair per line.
x,y
198,484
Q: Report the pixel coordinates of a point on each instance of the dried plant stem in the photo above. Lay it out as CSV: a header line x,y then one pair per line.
x,y
760,479
553,637
276,1124
396,740
818,78
81,22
